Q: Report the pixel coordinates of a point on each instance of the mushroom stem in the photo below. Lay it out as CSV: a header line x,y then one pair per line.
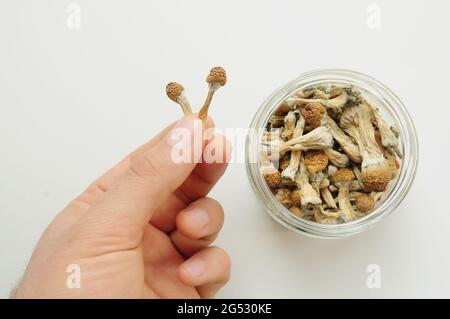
x,y
343,139
307,193
204,110
338,159
294,162
326,217
358,176
327,197
289,126
216,78
335,103
318,139
354,186
342,179
185,106
388,137
344,202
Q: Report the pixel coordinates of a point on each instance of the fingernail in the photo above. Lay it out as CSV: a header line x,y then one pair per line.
x,y
194,268
198,216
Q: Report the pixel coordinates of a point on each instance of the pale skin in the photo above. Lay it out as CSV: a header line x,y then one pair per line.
x,y
142,230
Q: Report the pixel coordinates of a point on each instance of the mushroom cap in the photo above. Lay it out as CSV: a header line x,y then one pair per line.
x,y
284,163
315,161
313,113
364,203
282,109
174,90
296,211
376,178
393,165
343,175
283,196
217,75
273,180
296,198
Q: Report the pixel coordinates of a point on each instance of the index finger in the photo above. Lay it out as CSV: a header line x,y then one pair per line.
x,y
154,175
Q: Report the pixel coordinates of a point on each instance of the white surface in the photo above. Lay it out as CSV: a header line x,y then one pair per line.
x,y
73,102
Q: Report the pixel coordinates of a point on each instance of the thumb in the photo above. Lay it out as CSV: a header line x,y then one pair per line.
x,y
155,174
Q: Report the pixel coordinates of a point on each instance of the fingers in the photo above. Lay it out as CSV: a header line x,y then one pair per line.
x,y
197,226
102,184
199,183
208,270
154,174
216,156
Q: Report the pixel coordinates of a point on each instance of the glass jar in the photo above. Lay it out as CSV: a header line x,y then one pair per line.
x,y
390,107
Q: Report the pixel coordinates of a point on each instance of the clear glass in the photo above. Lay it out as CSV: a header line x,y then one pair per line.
x,y
391,108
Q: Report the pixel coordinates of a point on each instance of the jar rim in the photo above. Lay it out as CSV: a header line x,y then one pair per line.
x,y
389,103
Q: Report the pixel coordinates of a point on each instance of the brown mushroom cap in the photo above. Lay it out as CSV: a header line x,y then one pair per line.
x,y
273,180
296,198
364,203
217,75
393,165
284,163
282,109
313,113
174,90
343,175
296,211
315,161
376,178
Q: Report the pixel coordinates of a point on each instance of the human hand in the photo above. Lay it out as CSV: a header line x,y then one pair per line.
x,y
142,230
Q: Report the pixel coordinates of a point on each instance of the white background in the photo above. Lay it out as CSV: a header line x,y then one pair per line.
x,y
74,102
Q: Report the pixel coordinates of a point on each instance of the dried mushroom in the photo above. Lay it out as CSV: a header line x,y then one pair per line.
x,y
364,203
375,170
307,193
342,179
336,154
270,172
175,92
216,78
318,139
294,161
